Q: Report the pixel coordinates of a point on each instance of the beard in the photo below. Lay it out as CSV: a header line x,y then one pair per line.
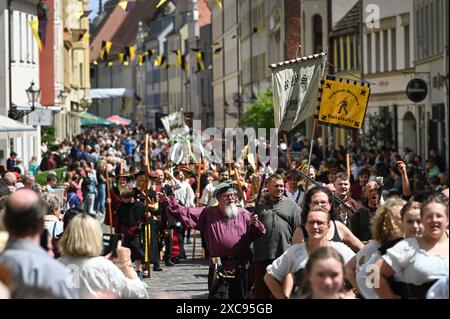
x,y
231,210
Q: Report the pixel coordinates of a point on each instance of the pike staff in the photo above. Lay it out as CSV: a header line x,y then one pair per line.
x,y
199,175
147,208
108,201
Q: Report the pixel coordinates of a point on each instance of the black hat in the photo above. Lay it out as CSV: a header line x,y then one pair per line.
x,y
140,173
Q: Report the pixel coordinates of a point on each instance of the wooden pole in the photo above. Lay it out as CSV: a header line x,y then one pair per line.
x,y
241,192
148,227
199,175
313,132
288,149
108,196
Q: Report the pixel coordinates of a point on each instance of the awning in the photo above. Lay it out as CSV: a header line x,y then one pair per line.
x,y
82,115
111,93
95,120
119,120
12,128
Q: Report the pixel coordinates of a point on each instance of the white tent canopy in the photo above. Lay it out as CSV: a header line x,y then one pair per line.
x,y
111,93
11,128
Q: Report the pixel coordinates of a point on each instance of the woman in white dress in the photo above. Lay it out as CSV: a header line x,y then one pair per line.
x,y
385,227
294,259
419,261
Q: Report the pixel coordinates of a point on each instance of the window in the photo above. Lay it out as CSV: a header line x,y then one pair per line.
x,y
377,52
338,50
407,47
394,49
317,34
438,23
352,53
346,66
369,53
416,32
431,17
385,51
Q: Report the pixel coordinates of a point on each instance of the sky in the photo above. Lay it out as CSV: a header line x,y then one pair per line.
x,y
93,5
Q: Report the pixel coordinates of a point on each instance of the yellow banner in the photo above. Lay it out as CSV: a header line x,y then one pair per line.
x,y
34,24
343,104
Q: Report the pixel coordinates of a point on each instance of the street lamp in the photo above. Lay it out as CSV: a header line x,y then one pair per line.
x,y
33,93
62,96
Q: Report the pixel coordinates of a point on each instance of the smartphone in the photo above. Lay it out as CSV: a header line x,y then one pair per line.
x,y
110,243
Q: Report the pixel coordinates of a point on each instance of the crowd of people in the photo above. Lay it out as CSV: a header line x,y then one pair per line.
x,y
375,229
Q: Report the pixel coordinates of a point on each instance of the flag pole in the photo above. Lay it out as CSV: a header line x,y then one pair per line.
x,y
288,149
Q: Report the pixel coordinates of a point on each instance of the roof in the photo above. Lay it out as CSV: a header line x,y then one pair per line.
x,y
349,23
13,128
120,27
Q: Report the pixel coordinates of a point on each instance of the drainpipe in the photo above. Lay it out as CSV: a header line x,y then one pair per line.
x,y
10,52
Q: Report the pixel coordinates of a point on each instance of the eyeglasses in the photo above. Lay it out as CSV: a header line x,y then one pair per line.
x,y
321,203
320,223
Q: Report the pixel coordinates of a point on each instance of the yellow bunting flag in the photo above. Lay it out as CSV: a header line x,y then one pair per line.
x,y
108,45
102,54
219,4
201,64
110,64
125,63
121,57
34,24
178,54
184,64
140,59
86,37
343,104
132,52
95,62
217,51
161,2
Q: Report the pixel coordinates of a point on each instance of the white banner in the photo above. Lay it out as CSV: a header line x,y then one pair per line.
x,y
295,91
174,125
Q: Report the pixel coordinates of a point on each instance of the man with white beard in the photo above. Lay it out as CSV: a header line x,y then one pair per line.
x,y
228,231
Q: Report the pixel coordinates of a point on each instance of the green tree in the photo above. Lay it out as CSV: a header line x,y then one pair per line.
x,y
380,128
259,114
48,134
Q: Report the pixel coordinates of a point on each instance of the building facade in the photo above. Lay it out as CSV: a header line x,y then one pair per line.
x,y
19,66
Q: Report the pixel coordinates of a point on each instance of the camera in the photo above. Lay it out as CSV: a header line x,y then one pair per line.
x,y
110,243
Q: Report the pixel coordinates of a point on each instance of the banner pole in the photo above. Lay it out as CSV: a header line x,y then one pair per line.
x,y
288,149
313,132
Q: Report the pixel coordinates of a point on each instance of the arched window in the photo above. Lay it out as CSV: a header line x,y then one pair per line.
x,y
317,33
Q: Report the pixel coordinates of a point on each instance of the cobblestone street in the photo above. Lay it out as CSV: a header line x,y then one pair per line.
x,y
186,280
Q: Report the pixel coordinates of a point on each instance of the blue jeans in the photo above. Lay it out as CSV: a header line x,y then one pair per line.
x,y
100,200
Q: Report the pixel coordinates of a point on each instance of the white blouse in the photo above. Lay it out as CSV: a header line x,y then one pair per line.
x,y
296,257
365,259
414,264
97,274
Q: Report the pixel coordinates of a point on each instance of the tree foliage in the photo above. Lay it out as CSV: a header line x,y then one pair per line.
x,y
379,128
259,114
48,134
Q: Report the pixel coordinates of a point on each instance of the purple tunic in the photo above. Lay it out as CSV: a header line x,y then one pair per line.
x,y
224,237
